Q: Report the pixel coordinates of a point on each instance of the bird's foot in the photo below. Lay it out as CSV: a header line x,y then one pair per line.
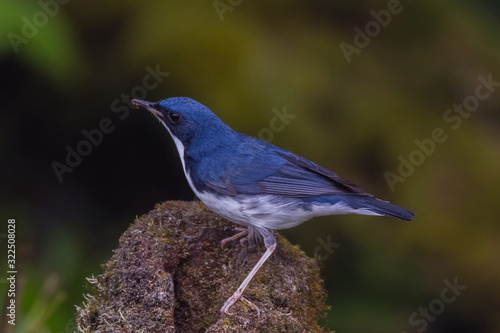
x,y
251,305
233,299
270,243
243,232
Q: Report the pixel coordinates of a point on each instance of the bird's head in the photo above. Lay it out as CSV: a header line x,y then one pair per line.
x,y
184,118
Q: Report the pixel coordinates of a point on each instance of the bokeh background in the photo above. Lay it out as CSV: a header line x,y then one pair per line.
x,y
244,59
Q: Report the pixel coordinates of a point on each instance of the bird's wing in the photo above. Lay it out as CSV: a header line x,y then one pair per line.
x,y
282,174
299,177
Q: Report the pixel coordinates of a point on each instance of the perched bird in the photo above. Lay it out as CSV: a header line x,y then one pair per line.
x,y
254,183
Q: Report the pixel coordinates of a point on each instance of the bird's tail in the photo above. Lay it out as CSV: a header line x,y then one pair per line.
x,y
385,208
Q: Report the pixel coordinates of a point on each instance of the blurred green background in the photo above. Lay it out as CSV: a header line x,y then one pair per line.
x,y
65,68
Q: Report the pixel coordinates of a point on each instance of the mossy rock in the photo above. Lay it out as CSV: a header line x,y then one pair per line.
x,y
170,274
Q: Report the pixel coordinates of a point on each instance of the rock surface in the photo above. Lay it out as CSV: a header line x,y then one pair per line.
x,y
170,274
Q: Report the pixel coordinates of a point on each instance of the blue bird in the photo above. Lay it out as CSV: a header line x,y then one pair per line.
x,y
254,183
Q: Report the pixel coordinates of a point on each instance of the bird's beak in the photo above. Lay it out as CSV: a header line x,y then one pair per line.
x,y
150,106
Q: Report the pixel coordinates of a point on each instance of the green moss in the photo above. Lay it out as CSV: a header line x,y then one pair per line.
x,y
170,274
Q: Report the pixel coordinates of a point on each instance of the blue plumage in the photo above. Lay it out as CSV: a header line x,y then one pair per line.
x,y
222,162
254,183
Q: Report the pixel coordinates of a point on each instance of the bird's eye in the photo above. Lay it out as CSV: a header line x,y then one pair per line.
x,y
174,117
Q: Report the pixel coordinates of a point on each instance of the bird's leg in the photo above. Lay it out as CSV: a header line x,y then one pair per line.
x,y
270,243
242,233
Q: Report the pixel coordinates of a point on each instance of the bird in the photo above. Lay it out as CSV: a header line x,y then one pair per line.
x,y
254,183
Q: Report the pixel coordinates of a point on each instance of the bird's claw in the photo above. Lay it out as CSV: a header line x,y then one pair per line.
x,y
233,299
251,305
243,232
229,303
